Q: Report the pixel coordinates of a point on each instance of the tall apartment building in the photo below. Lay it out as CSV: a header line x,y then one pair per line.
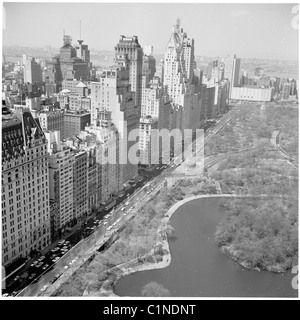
x,y
179,75
148,142
25,190
53,72
32,71
286,89
160,70
61,184
80,185
149,64
130,46
152,97
113,94
76,121
52,121
188,57
85,142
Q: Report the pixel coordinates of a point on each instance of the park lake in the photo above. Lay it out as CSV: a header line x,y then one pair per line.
x,y
199,269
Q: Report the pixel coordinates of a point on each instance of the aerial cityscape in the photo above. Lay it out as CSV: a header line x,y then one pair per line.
x,y
156,157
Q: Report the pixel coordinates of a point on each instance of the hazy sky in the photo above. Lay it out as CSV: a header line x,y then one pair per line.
x,y
250,30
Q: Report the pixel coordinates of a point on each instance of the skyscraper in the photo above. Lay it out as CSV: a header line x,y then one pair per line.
x,y
32,71
73,67
134,51
113,94
149,64
179,77
235,75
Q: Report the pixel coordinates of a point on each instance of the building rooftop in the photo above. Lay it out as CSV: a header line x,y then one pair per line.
x,y
81,85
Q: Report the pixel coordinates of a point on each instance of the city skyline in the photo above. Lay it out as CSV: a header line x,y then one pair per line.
x,y
251,30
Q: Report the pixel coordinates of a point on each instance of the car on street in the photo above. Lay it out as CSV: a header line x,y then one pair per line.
x,y
73,261
109,228
124,214
118,220
122,209
127,203
66,267
34,263
105,223
45,287
32,276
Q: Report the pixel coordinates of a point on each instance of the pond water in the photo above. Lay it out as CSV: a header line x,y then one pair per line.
x,y
199,269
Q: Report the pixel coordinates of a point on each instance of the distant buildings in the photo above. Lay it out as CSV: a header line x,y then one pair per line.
x,y
250,93
32,70
286,90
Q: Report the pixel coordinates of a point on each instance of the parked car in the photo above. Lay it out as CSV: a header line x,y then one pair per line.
x,y
105,223
61,242
32,276
41,258
45,266
39,264
66,267
73,261
55,249
45,287
16,278
34,263
5,295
